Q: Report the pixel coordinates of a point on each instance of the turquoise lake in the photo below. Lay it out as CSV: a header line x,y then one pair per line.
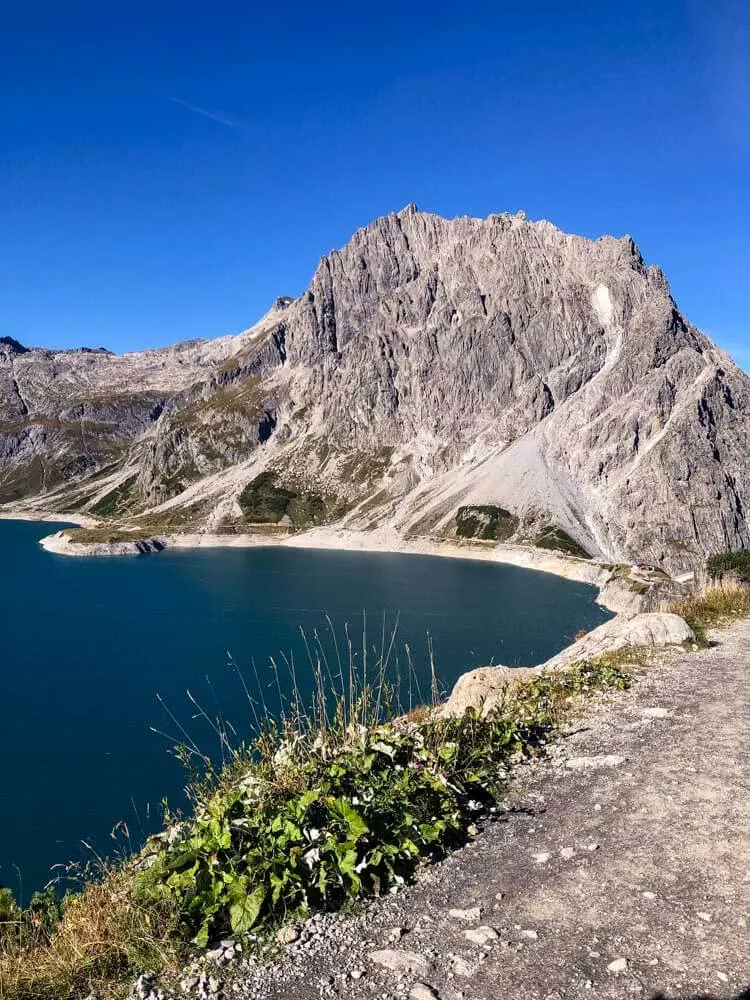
x,y
87,644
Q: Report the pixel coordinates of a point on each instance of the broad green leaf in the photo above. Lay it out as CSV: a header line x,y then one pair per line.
x,y
245,909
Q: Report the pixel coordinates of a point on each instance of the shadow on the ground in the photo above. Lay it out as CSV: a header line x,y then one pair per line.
x,y
744,995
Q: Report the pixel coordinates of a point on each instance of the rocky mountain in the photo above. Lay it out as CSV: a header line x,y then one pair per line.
x,y
492,377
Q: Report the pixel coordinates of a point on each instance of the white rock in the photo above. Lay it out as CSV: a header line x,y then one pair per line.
x,y
406,962
594,761
460,966
655,713
619,965
567,853
541,858
421,992
470,915
287,934
651,629
481,935
649,895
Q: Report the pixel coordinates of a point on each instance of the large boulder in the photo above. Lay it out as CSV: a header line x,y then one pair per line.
x,y
649,629
484,688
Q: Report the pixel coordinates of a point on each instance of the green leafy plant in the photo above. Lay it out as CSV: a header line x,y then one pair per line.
x,y
314,820
324,808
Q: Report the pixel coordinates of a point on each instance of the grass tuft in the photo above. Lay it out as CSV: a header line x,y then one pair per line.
x,y
713,607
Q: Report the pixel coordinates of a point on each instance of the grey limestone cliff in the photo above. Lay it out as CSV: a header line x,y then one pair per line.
x,y
431,364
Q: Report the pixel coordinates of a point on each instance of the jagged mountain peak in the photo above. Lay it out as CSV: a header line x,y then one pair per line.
x,y
432,364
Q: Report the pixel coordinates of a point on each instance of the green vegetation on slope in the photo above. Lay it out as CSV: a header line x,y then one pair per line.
x,y
265,501
735,563
116,500
487,522
553,537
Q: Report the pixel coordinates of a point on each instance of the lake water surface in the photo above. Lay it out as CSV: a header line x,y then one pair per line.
x,y
86,645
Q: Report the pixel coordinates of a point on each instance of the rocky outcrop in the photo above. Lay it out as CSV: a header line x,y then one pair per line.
x,y
483,689
650,629
62,544
432,365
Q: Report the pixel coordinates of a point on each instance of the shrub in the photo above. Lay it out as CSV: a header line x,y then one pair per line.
x,y
736,563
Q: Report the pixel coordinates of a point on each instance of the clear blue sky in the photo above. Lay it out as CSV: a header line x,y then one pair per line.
x,y
167,169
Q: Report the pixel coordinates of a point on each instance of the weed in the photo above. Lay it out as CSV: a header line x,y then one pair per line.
x,y
713,607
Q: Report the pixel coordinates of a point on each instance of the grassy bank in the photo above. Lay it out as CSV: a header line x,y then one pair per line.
x,y
713,608
327,807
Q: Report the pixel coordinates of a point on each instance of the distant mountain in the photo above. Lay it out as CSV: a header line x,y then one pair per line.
x,y
544,381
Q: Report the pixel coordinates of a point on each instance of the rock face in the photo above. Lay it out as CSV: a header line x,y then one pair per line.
x,y
432,364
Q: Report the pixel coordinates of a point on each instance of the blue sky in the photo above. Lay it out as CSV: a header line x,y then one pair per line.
x,y
167,169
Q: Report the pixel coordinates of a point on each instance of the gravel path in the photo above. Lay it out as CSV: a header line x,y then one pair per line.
x,y
622,869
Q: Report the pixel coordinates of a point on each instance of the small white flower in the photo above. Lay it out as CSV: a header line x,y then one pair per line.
x,y
361,866
312,833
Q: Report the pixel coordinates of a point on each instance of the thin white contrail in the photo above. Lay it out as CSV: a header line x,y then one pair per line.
x,y
206,114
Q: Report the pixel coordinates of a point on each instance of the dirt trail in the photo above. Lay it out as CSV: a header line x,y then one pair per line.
x,y
624,869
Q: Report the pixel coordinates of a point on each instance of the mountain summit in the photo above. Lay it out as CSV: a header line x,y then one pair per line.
x,y
496,369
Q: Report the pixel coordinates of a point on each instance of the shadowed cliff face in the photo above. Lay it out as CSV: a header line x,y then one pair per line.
x,y
431,364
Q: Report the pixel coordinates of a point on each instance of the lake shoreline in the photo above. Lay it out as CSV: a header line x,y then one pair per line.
x,y
381,540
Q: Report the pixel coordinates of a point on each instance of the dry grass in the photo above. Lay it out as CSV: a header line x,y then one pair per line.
x,y
713,607
105,937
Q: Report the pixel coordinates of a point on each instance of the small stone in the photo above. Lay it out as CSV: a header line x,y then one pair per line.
x,y
421,992
287,934
541,858
619,965
532,935
590,763
593,846
655,713
396,933
405,962
481,935
499,896
723,977
649,895
357,973
704,916
567,853
470,915
460,966
597,808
